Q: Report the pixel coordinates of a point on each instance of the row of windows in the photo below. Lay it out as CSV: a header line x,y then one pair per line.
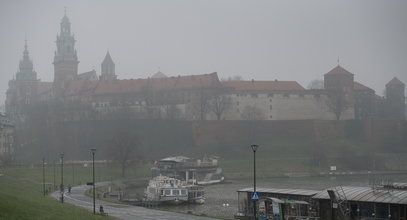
x,y
173,192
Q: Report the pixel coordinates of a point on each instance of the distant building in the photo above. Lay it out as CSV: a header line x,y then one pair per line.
x,y
395,99
6,139
192,97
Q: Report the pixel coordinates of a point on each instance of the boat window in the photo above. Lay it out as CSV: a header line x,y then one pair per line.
x,y
183,191
175,192
167,192
162,192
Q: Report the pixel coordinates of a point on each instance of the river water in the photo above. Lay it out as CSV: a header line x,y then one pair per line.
x,y
220,194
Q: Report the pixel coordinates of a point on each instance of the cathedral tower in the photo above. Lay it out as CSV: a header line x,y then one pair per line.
x,y
22,90
108,68
65,59
26,71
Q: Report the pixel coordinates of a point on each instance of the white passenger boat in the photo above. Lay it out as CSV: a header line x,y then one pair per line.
x,y
166,190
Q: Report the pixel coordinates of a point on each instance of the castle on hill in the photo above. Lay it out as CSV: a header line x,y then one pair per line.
x,y
91,96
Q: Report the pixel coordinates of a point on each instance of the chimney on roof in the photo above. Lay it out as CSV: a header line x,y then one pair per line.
x,y
275,80
252,80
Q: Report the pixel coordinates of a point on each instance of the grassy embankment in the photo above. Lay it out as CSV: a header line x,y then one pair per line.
x,y
23,199
21,191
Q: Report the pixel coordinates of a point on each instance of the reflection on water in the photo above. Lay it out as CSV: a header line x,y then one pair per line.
x,y
217,195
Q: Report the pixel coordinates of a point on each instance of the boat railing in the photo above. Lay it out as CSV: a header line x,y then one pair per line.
x,y
201,164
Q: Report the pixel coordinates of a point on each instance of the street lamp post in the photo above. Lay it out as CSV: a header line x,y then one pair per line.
x,y
254,148
93,150
54,174
43,175
62,178
73,174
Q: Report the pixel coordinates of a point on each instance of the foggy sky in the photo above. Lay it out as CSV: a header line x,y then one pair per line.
x,y
261,40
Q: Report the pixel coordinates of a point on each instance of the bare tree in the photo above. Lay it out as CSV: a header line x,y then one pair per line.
x,y
233,78
316,84
200,102
338,102
125,147
252,113
220,104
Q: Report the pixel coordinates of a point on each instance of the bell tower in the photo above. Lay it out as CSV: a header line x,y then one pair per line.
x,y
108,68
66,58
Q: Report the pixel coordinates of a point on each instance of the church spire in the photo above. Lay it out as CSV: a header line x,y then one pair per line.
x,y
25,53
108,68
26,71
65,24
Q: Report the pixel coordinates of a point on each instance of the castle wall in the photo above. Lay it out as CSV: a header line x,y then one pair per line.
x,y
282,106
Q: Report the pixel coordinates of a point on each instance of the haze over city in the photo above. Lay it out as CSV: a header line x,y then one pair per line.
x,y
261,40
203,110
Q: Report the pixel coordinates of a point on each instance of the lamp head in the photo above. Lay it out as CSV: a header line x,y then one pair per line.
x,y
62,155
254,147
93,150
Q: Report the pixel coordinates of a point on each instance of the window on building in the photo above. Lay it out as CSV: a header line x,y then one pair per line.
x,y
237,103
271,107
237,109
175,191
270,95
271,116
254,95
286,95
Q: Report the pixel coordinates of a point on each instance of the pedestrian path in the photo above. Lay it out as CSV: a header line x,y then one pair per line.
x,y
126,212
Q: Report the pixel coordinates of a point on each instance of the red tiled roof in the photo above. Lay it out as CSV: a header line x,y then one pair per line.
x,y
119,86
264,85
196,81
360,86
395,81
339,70
80,87
156,84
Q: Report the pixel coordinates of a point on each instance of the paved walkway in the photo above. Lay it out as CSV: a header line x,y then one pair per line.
x,y
127,212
